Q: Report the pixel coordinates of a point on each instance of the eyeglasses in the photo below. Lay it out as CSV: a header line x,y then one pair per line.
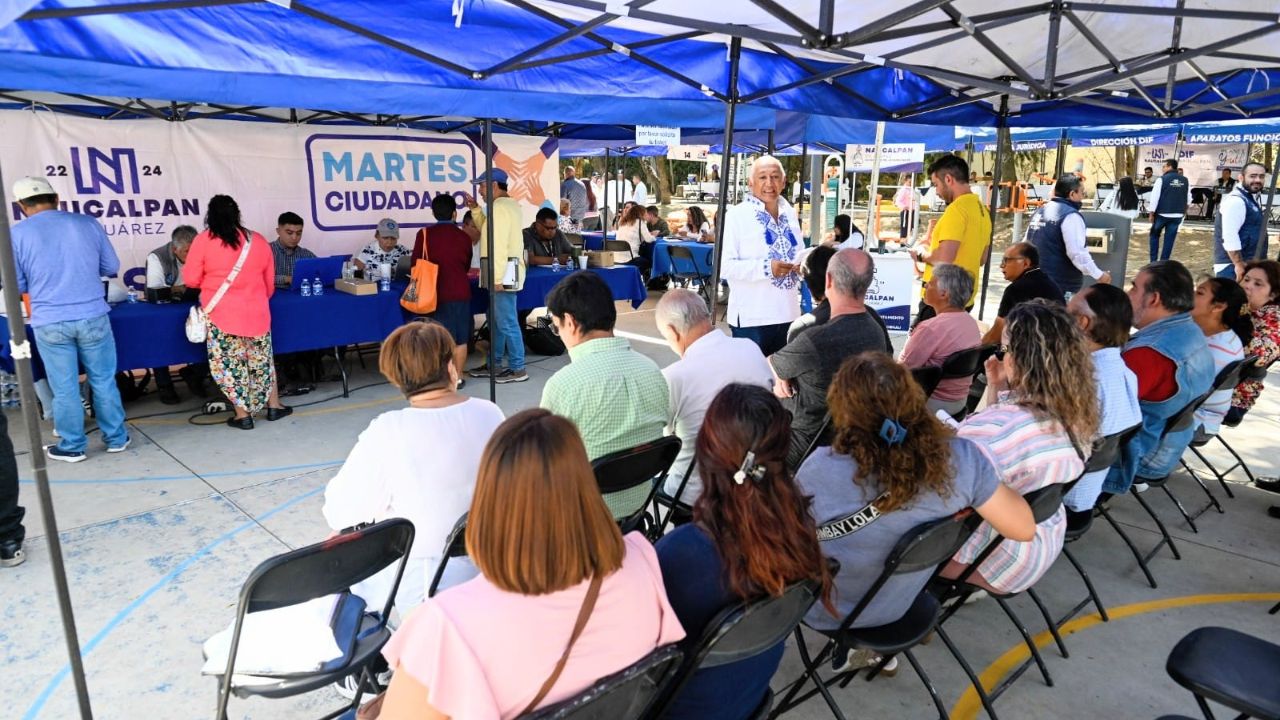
x,y
1009,259
1001,349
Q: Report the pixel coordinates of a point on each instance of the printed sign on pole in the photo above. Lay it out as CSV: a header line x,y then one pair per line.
x,y
904,157
893,291
657,135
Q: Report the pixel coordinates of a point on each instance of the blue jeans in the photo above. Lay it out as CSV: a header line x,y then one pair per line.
x,y
769,338
65,347
506,336
1170,228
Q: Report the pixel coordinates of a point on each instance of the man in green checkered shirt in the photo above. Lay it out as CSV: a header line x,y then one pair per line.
x,y
616,396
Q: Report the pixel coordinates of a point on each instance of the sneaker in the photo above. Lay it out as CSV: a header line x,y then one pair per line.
x,y
859,659
512,376
169,396
11,554
479,372
56,434
56,453
462,382
1141,487
1269,484
975,596
346,687
120,448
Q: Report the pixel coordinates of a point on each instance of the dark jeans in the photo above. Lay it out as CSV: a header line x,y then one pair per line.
x,y
770,338
904,222
1169,226
10,511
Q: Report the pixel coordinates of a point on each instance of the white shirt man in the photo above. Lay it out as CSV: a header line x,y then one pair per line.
x,y
1232,211
762,241
641,193
709,360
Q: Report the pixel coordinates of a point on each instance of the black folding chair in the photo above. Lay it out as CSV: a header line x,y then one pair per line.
x,y
619,246
315,571
1247,370
1106,450
624,695
1226,379
1044,503
1230,668
927,547
674,505
686,278
455,546
635,468
927,378
739,633
964,364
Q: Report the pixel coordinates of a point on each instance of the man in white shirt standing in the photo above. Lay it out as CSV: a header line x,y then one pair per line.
x,y
641,193
709,361
1168,203
617,192
760,259
1240,226
1057,231
164,270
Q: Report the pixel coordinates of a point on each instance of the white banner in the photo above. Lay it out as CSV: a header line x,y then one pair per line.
x,y
1202,164
657,135
688,152
143,178
893,291
904,157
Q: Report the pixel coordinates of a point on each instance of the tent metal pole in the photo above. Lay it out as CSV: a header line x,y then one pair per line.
x,y
487,134
604,200
804,165
1002,140
873,187
730,109
1260,251
817,184
1174,49
1060,162
772,148
21,350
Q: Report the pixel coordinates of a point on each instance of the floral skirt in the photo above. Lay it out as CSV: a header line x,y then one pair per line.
x,y
242,367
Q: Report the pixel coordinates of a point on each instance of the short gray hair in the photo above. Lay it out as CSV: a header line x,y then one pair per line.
x,y
682,309
956,282
764,160
183,235
851,272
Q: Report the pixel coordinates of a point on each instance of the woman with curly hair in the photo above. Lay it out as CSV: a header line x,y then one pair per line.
x,y
892,459
1038,428
751,537
1261,285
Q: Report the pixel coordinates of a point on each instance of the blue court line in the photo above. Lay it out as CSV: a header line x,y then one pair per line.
x,y
93,642
171,478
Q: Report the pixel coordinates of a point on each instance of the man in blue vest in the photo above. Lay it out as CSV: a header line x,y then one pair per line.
x,y
1174,366
1168,203
1057,231
1239,227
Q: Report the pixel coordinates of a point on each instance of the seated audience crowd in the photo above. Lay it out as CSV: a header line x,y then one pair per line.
x,y
949,331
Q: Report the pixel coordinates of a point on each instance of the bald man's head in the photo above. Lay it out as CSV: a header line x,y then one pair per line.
x,y
850,273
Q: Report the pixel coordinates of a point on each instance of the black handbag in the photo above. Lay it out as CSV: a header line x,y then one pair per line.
x,y
541,339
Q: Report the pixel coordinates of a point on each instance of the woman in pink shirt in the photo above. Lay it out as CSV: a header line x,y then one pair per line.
x,y
542,537
950,330
239,339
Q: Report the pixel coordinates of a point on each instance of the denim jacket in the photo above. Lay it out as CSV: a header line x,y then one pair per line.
x,y
1148,455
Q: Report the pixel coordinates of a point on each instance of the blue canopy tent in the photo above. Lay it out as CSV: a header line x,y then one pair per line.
x,y
963,62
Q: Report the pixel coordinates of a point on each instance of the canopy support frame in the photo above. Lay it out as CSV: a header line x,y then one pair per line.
x,y
1002,140
722,205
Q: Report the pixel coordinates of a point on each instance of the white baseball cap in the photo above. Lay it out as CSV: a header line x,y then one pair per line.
x,y
29,187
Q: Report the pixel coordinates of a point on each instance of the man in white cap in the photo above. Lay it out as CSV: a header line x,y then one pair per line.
x,y
509,269
61,258
385,248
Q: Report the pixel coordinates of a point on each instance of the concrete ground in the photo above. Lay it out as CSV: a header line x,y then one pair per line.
x,y
158,540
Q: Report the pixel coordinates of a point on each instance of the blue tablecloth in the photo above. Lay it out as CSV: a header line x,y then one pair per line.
x,y
153,335
594,239
623,280
703,256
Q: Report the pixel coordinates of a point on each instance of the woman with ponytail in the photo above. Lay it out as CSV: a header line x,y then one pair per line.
x,y
892,461
751,537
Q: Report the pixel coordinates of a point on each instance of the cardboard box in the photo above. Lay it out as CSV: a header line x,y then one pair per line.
x,y
356,286
599,258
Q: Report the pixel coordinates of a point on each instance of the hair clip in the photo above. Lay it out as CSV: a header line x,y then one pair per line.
x,y
749,469
892,432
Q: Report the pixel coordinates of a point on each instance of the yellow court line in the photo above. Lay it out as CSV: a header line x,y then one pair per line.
x,y
968,706
300,413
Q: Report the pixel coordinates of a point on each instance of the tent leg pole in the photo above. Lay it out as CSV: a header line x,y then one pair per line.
x,y
26,384
735,53
1060,162
604,206
1260,252
804,165
493,277
1002,140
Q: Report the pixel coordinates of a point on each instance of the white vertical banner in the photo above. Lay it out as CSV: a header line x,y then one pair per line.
x,y
893,291
143,178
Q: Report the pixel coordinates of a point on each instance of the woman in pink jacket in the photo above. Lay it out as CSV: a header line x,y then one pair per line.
x,y
239,339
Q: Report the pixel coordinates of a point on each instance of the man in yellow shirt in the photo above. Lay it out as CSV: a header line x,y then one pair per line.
x,y
509,269
962,236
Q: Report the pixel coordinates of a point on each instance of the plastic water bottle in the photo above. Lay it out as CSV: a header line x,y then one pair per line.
x,y
317,287
133,295
384,283
9,390
305,288
555,263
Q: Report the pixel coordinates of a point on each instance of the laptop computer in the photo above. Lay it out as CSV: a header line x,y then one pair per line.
x,y
327,269
165,295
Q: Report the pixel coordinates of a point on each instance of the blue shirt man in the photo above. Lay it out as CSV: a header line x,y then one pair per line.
x,y
61,258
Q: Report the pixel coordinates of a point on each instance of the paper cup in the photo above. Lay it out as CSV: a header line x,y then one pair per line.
x,y
582,262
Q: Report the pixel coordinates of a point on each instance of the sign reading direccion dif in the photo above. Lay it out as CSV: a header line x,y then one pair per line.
x,y
657,135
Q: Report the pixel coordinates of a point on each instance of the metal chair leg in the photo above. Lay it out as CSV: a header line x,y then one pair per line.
x,y
928,684
1048,621
1026,637
1213,500
1177,503
1137,555
1221,476
1166,539
1093,594
968,671
1243,465
809,674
